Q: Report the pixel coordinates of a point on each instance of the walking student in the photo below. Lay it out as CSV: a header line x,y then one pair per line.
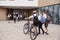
x,y
41,21
48,19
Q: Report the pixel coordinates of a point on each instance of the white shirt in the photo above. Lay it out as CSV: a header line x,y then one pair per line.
x,y
20,15
44,15
39,17
9,16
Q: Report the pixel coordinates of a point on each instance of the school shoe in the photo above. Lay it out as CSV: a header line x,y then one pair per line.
x,y
43,33
47,33
38,34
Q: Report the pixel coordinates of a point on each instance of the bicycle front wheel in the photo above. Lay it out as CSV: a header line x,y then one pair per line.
x,y
33,34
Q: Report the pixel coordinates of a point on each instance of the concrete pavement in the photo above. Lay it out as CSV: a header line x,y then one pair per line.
x,y
14,31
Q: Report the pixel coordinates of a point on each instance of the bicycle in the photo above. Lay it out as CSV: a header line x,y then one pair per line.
x,y
33,34
28,27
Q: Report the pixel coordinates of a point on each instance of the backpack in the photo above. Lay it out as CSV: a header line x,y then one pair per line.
x,y
43,19
48,19
35,19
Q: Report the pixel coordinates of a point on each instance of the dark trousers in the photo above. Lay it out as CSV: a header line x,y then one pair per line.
x,y
14,20
40,27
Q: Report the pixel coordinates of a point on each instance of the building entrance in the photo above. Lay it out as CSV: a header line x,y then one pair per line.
x,y
23,12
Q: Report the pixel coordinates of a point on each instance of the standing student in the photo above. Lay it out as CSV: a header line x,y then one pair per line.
x,y
21,17
9,16
14,18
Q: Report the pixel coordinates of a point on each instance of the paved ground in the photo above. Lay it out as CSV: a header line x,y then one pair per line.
x,y
11,31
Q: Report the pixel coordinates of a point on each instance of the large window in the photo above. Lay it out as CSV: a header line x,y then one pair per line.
x,y
59,14
51,13
43,8
56,13
46,8
51,10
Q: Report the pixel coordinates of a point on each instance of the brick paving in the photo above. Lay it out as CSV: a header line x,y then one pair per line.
x,y
14,31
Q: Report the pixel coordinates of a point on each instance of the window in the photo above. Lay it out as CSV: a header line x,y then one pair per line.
x,y
46,8
43,8
56,13
59,11
51,13
40,8
51,10
59,14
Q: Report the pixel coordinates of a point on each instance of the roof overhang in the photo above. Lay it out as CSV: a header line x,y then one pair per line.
x,y
19,7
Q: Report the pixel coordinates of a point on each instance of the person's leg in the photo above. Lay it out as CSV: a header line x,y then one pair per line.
x,y
42,28
35,27
39,29
46,28
9,20
14,20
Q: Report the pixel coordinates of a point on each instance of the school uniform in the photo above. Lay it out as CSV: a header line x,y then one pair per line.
x,y
35,20
40,24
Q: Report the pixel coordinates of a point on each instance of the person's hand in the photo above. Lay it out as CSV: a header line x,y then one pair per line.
x,y
26,18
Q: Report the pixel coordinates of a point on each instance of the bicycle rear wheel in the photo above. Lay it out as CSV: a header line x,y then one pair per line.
x,y
25,29
33,34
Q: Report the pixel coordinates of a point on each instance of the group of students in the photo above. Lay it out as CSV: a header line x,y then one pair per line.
x,y
39,20
16,17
